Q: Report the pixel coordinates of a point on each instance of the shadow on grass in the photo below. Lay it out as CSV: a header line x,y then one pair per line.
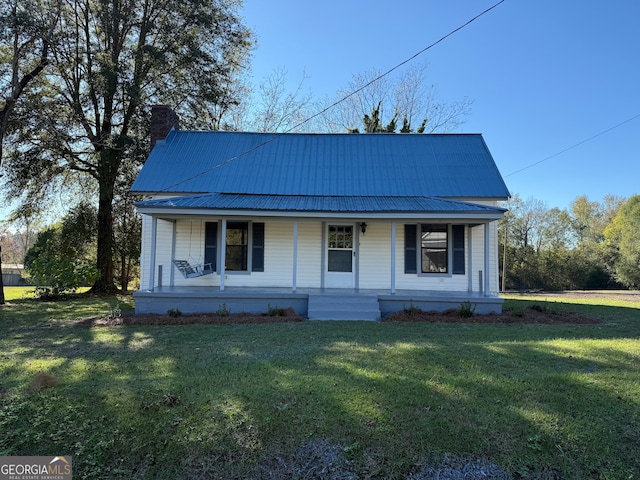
x,y
212,400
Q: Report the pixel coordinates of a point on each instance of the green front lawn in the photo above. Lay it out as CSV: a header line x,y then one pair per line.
x,y
212,401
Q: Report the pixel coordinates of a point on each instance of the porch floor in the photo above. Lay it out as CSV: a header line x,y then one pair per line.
x,y
258,300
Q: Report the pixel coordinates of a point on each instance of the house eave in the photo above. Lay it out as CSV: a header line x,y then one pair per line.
x,y
174,212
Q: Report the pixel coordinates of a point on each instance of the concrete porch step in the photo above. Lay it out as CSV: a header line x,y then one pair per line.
x,y
343,306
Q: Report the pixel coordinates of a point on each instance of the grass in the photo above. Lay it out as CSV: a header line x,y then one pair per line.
x,y
211,401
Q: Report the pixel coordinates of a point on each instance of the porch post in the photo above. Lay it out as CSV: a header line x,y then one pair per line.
x,y
173,253
393,257
294,279
223,251
323,256
486,259
470,258
152,259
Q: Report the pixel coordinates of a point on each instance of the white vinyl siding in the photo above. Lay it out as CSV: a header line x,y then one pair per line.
x,y
373,250
375,256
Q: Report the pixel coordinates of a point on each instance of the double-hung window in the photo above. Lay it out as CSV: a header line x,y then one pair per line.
x,y
434,248
237,242
244,249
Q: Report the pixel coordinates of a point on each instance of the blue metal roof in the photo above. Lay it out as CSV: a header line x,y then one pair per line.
x,y
327,165
312,203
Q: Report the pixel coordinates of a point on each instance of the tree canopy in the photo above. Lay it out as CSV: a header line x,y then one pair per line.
x,y
111,61
623,243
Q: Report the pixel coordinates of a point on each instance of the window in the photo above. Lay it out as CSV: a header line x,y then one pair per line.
x,y
238,244
437,248
434,244
340,248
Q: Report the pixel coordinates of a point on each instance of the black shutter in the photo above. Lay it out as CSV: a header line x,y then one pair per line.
x,y
410,252
257,255
211,244
458,249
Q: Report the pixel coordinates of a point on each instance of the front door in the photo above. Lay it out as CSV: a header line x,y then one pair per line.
x,y
340,256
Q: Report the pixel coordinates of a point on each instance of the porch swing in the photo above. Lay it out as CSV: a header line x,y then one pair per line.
x,y
193,270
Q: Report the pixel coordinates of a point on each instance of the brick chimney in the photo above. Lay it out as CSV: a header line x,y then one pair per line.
x,y
163,120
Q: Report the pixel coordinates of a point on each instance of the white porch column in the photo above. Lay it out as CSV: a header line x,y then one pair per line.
x,y
393,257
152,254
470,258
223,251
323,256
486,259
294,279
173,253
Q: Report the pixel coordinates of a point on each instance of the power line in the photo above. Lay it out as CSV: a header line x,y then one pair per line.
x,y
338,102
574,146
346,97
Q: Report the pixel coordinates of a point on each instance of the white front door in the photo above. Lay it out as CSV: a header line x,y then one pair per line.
x,y
340,258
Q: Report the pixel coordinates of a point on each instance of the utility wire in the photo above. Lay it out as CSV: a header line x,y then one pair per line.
x,y
574,146
343,99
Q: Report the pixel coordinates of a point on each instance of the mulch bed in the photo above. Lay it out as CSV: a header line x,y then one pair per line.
x,y
289,315
529,315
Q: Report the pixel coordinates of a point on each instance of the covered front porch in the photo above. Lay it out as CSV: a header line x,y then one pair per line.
x,y
326,304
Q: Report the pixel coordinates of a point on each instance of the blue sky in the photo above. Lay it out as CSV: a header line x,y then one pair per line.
x,y
544,76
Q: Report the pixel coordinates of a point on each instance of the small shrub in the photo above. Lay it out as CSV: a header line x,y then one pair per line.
x,y
467,309
538,308
115,313
223,311
411,310
275,311
174,312
48,293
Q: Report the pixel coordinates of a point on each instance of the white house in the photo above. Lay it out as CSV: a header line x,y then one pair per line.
x,y
333,225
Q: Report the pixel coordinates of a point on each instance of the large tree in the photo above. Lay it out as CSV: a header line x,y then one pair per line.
x,y
116,59
26,34
623,243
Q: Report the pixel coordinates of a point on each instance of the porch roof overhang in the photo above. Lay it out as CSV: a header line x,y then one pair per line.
x,y
315,206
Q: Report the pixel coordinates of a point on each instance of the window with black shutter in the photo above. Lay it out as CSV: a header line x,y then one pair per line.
x,y
211,244
410,247
458,249
257,254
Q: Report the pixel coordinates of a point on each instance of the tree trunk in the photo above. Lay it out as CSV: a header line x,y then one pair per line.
x,y
108,172
1,282
123,274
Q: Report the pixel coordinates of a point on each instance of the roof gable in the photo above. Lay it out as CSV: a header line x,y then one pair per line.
x,y
390,165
